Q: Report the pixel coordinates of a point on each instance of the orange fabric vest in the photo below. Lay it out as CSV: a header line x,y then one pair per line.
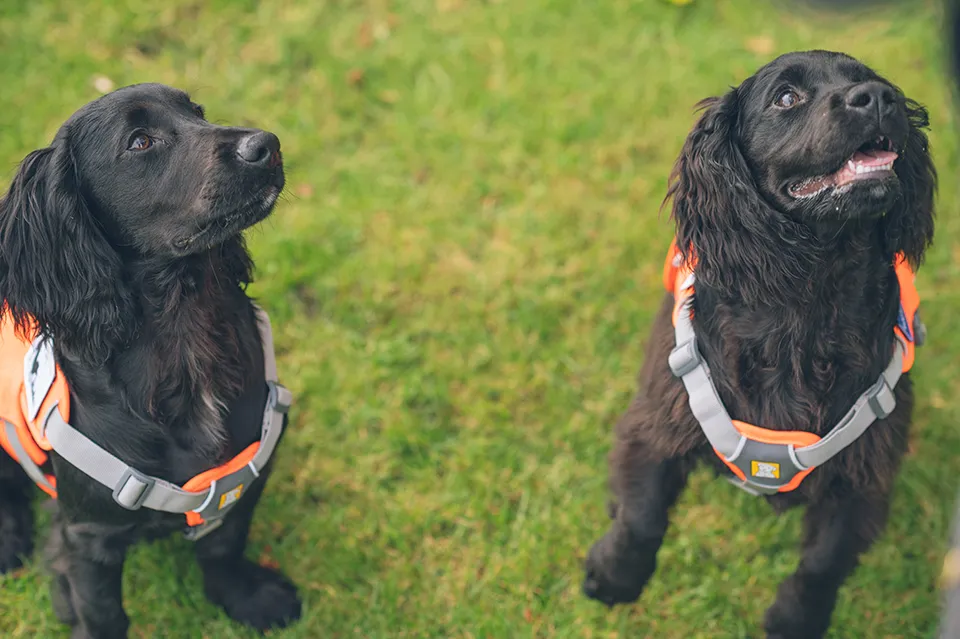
x,y
13,400
14,409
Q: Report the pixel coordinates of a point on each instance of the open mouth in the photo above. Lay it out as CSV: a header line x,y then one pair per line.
x,y
872,161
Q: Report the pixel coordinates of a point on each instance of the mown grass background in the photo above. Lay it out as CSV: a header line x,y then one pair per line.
x,y
461,276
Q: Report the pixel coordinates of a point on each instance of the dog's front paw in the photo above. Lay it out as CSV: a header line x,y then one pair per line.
x,y
253,595
788,619
16,536
613,576
60,598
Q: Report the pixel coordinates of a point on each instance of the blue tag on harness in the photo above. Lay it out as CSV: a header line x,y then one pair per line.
x,y
904,325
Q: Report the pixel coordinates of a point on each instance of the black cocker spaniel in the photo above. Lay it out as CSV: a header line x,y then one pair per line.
x,y
793,197
121,245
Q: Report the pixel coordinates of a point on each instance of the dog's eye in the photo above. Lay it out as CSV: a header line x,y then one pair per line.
x,y
140,142
787,99
199,111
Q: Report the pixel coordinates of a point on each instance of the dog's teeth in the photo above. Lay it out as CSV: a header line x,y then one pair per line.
x,y
861,169
852,165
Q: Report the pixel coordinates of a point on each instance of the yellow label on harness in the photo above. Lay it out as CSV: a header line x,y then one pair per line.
x,y
231,496
765,470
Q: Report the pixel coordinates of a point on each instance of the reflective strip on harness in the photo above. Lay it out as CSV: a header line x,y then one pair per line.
x,y
132,489
769,461
47,483
687,364
206,498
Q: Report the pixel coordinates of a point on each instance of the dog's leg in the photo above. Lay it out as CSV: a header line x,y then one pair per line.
x,y
836,533
620,563
87,565
16,515
249,593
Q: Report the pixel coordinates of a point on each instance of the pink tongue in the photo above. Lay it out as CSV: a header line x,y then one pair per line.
x,y
873,158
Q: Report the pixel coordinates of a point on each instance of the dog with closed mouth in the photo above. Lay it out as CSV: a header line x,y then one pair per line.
x,y
139,383
803,202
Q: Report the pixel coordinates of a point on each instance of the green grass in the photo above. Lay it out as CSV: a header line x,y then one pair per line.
x,y
461,277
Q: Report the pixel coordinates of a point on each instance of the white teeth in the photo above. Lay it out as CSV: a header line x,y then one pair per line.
x,y
860,169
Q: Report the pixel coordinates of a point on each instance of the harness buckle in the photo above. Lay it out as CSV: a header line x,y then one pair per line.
x,y
685,358
880,398
279,397
132,489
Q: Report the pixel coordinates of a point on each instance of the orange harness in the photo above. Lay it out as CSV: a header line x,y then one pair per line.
x,y
34,420
764,460
19,376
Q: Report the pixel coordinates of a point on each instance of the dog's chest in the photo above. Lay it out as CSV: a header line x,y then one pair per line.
x,y
240,421
796,371
200,382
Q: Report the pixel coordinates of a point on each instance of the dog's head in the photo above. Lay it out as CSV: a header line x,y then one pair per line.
x,y
813,145
160,179
136,174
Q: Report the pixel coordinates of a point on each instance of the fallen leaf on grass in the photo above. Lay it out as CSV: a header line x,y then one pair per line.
x,y
365,36
937,400
445,6
761,45
390,96
355,77
303,190
103,84
267,561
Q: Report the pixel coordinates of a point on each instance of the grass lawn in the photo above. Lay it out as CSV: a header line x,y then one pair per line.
x,y
461,277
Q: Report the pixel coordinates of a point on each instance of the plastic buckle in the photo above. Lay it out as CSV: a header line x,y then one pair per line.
x,y
684,358
880,399
279,397
132,489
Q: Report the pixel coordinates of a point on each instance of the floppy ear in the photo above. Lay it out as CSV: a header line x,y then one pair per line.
x,y
720,216
908,225
56,267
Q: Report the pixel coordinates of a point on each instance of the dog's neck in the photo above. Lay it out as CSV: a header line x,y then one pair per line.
x,y
196,340
827,332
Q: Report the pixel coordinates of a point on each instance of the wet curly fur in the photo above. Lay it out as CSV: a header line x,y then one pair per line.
x,y
123,240
796,300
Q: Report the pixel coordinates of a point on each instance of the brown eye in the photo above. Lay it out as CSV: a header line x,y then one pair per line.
x,y
787,99
198,110
140,142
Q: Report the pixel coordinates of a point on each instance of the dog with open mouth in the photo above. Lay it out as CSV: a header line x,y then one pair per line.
x,y
138,382
803,202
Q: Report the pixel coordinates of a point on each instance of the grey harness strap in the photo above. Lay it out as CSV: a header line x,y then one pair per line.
x,y
33,471
769,467
133,490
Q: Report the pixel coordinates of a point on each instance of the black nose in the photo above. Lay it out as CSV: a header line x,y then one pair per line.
x,y
871,98
261,148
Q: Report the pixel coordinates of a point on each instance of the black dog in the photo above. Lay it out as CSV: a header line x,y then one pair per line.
x,y
796,300
122,241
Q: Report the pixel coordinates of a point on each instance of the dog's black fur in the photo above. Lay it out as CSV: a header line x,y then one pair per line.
x,y
123,240
796,300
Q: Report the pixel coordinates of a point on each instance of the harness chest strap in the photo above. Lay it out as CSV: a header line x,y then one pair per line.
x,y
133,490
768,461
47,483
